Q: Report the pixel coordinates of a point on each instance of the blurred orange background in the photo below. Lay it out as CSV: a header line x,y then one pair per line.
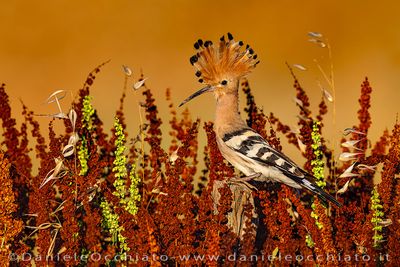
x,y
51,45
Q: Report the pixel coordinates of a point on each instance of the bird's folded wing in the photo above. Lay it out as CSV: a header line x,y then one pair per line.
x,y
252,145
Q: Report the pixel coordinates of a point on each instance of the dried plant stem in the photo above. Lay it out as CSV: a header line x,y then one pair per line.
x,y
335,140
58,104
3,240
141,143
331,82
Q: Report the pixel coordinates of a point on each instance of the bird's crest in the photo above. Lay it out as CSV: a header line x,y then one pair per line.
x,y
227,58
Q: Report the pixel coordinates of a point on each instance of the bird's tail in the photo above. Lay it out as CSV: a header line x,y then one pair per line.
x,y
228,57
308,182
314,188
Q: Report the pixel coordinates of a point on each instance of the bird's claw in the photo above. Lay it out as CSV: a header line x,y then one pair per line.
x,y
243,181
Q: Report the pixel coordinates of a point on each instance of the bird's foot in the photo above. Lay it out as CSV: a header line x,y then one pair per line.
x,y
243,181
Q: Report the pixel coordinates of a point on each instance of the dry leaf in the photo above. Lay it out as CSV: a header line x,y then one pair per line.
x,y
327,95
50,176
139,84
348,131
366,167
385,223
298,101
127,70
72,117
158,191
68,150
174,156
275,253
344,188
313,40
54,96
300,67
91,196
302,146
347,156
315,34
73,139
296,214
56,173
348,172
60,207
351,143
60,115
59,166
318,42
62,250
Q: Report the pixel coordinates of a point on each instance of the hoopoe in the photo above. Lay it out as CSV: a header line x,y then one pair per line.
x,y
220,67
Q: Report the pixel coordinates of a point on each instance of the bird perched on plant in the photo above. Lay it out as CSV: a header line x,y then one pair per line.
x,y
220,67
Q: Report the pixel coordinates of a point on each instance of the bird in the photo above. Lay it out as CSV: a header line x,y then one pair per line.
x,y
220,67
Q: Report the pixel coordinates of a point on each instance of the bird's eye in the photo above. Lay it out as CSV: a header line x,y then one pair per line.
x,y
224,82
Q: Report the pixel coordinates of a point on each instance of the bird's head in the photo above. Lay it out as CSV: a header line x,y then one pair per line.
x,y
220,66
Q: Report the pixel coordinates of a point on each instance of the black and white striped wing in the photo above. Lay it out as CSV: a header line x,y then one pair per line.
x,y
252,146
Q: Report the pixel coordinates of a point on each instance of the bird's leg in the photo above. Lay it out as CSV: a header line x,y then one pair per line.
x,y
243,181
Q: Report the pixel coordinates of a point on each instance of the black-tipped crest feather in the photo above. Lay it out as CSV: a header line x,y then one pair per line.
x,y
226,58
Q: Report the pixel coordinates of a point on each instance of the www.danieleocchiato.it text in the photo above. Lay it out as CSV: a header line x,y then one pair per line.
x,y
97,257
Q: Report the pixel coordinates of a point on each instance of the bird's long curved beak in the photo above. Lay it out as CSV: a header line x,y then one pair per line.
x,y
200,92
